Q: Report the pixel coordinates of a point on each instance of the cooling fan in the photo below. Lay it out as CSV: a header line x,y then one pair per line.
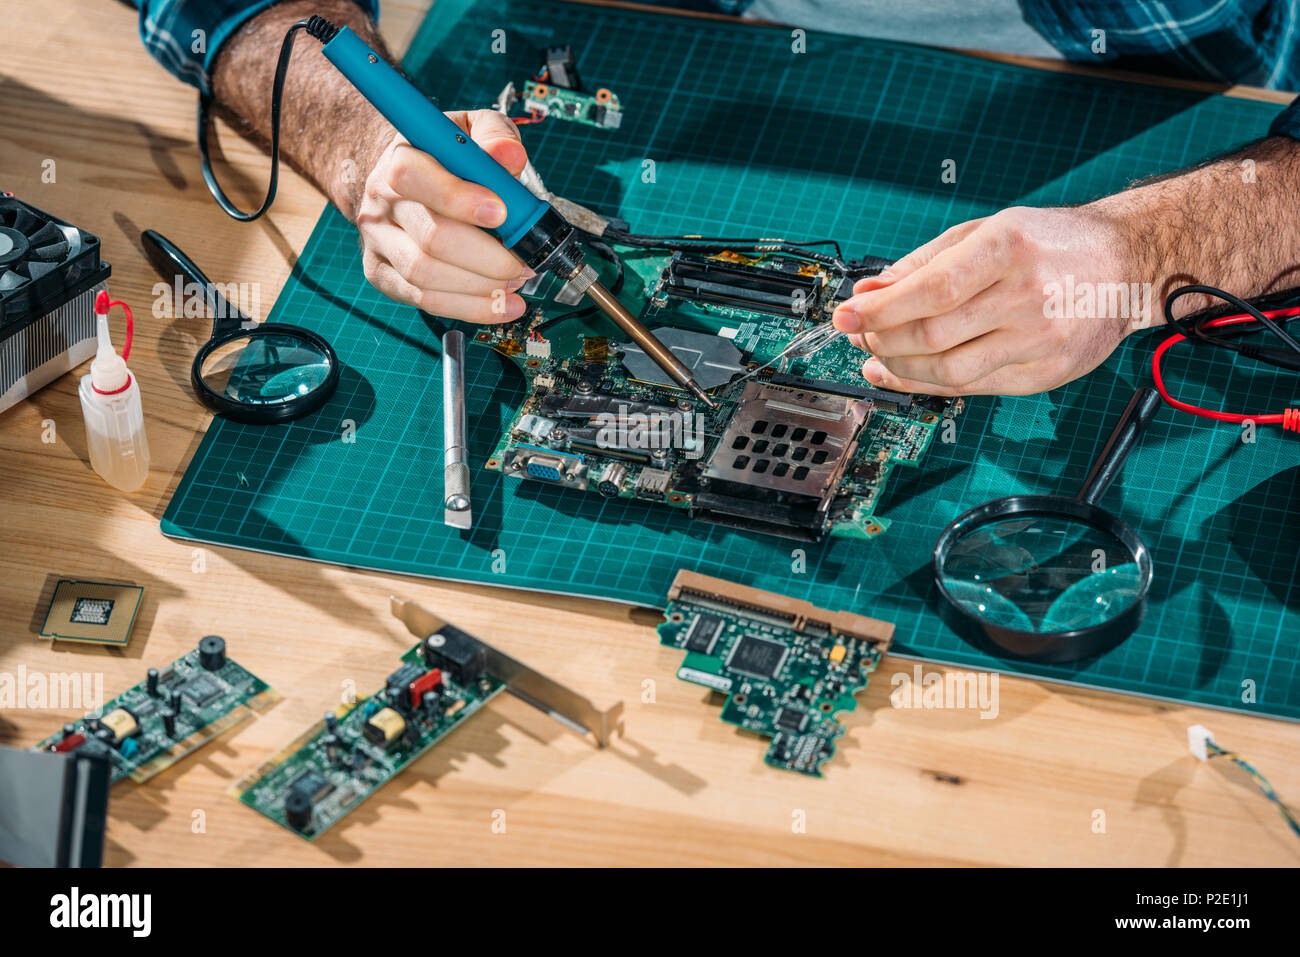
x,y
49,273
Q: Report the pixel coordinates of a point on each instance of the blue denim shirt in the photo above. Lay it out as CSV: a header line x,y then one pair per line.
x,y
1229,41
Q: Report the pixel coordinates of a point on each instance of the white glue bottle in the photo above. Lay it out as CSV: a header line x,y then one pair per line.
x,y
110,401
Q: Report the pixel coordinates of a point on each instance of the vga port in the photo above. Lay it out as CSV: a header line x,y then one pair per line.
x,y
558,468
549,467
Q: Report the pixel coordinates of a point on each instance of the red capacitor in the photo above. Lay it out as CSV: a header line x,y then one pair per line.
x,y
70,743
426,682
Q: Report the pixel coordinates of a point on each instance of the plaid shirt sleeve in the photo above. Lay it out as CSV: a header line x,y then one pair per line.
x,y
1256,42
1232,41
186,35
1287,122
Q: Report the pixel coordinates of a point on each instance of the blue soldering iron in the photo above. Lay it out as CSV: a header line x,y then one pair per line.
x,y
532,230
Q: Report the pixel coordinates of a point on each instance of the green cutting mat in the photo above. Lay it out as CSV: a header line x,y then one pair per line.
x,y
845,140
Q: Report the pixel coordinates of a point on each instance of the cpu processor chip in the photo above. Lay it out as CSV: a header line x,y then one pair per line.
x,y
99,612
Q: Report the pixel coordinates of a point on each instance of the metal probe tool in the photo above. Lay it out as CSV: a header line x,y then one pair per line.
x,y
533,229
455,459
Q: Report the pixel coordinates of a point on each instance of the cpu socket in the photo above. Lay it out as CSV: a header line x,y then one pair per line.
x,y
781,459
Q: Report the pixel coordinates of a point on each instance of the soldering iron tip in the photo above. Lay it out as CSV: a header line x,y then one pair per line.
x,y
703,396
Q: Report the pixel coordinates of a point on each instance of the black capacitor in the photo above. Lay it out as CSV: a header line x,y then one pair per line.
x,y
69,730
212,652
297,810
151,682
431,701
331,744
331,722
169,722
174,701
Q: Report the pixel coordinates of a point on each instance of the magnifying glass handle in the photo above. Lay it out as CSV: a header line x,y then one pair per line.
x,y
1140,410
169,260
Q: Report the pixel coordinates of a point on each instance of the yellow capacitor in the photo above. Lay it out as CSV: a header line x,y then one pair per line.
x,y
122,723
384,726
837,653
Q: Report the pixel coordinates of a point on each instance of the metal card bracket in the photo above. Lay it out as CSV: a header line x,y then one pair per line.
x,y
563,704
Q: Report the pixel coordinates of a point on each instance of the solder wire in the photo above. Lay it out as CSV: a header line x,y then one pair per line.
x,y
804,345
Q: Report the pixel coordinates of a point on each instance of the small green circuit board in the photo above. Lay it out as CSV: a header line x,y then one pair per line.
x,y
600,109
132,727
787,667
327,771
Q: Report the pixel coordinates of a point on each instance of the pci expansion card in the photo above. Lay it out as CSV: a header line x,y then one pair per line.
x,y
358,747
788,668
148,728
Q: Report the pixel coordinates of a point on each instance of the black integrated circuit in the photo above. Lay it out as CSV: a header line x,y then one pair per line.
x,y
791,719
704,633
201,689
400,680
311,784
760,657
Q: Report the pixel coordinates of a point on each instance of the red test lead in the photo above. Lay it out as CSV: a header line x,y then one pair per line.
x,y
1288,418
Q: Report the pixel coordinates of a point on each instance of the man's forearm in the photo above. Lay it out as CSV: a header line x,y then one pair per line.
x,y
327,129
422,229
1229,223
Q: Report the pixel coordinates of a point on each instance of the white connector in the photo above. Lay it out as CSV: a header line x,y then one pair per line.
x,y
1198,739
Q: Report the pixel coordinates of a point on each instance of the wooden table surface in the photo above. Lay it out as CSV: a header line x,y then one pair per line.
x,y
907,786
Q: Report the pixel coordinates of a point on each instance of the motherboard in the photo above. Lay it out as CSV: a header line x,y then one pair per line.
x,y
796,447
787,667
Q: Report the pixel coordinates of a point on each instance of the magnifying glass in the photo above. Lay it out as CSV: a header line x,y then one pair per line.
x,y
1049,578
255,372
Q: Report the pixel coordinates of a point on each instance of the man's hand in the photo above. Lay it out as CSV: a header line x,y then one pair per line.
x,y
418,223
977,310
969,312
420,232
